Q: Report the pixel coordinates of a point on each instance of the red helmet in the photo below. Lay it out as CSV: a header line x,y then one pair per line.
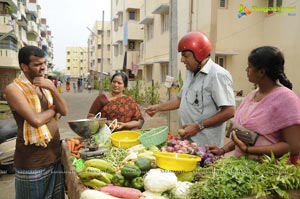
x,y
197,42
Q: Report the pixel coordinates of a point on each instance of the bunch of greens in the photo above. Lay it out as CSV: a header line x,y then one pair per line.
x,y
239,177
115,156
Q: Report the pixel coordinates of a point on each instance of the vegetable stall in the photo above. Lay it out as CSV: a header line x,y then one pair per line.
x,y
158,165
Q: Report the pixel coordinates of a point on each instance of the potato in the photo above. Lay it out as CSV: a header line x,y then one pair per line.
x,y
181,132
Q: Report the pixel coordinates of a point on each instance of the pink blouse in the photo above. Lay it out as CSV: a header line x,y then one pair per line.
x,y
278,110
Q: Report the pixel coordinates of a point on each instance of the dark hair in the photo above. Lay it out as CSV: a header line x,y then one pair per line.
x,y
124,77
27,51
271,60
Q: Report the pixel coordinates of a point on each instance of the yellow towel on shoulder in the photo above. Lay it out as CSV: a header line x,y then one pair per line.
x,y
40,136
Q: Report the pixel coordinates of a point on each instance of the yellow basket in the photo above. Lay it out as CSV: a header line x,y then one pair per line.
x,y
155,136
176,161
125,139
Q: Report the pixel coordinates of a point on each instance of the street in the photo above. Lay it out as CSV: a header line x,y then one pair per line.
x,y
79,104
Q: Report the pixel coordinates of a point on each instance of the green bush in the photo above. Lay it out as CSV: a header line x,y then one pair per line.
x,y
143,94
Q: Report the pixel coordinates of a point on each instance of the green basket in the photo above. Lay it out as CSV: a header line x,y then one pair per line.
x,y
155,136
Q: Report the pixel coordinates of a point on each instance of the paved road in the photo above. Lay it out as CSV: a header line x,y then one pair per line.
x,y
79,104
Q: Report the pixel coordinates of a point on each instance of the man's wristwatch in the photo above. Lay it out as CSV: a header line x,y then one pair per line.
x,y
201,127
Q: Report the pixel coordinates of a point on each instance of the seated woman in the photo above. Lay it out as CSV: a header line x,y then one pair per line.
x,y
116,105
272,110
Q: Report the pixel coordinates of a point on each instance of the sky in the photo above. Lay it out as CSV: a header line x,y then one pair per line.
x,y
68,21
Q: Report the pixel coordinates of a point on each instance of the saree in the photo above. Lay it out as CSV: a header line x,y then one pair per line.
x,y
277,110
123,108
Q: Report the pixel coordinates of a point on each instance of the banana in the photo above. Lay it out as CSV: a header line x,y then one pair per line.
x,y
105,177
89,172
94,183
92,172
100,164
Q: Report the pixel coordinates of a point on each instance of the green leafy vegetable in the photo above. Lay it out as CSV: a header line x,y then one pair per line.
x,y
239,177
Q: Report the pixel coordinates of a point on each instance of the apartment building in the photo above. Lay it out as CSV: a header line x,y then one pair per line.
x,y
76,63
155,51
268,22
99,62
234,27
21,24
126,37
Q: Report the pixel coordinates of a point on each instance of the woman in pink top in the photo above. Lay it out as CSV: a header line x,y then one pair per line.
x,y
272,110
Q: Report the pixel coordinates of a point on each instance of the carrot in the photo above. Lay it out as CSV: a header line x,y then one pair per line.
x,y
122,192
76,155
78,147
69,145
75,151
72,145
76,141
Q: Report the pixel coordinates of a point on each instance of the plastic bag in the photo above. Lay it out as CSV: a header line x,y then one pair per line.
x,y
103,134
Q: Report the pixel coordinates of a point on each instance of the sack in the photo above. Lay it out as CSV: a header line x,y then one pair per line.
x,y
104,133
245,135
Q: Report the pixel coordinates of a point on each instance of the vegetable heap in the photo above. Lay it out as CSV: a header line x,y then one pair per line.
x,y
240,177
187,147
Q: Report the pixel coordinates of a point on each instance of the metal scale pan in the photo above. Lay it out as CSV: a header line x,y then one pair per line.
x,y
86,128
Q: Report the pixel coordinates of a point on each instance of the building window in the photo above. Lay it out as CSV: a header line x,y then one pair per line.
x,y
131,15
164,67
68,60
223,3
150,31
116,50
121,48
68,52
108,47
115,25
165,22
68,68
131,45
99,32
130,75
99,61
279,3
221,60
148,72
120,19
99,46
273,4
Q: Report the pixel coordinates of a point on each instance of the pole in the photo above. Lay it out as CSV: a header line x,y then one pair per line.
x,y
173,69
102,49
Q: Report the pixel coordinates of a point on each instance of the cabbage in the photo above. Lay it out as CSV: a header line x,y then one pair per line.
x,y
180,191
158,181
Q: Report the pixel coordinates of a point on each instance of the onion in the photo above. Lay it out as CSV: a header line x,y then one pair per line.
x,y
177,147
170,149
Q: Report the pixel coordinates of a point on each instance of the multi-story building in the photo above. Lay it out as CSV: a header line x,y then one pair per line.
x,y
20,25
76,63
99,62
234,27
126,37
155,50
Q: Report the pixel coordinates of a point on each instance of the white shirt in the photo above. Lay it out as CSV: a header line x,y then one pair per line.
x,y
202,96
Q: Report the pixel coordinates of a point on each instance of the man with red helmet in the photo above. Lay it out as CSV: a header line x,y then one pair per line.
x,y
206,100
